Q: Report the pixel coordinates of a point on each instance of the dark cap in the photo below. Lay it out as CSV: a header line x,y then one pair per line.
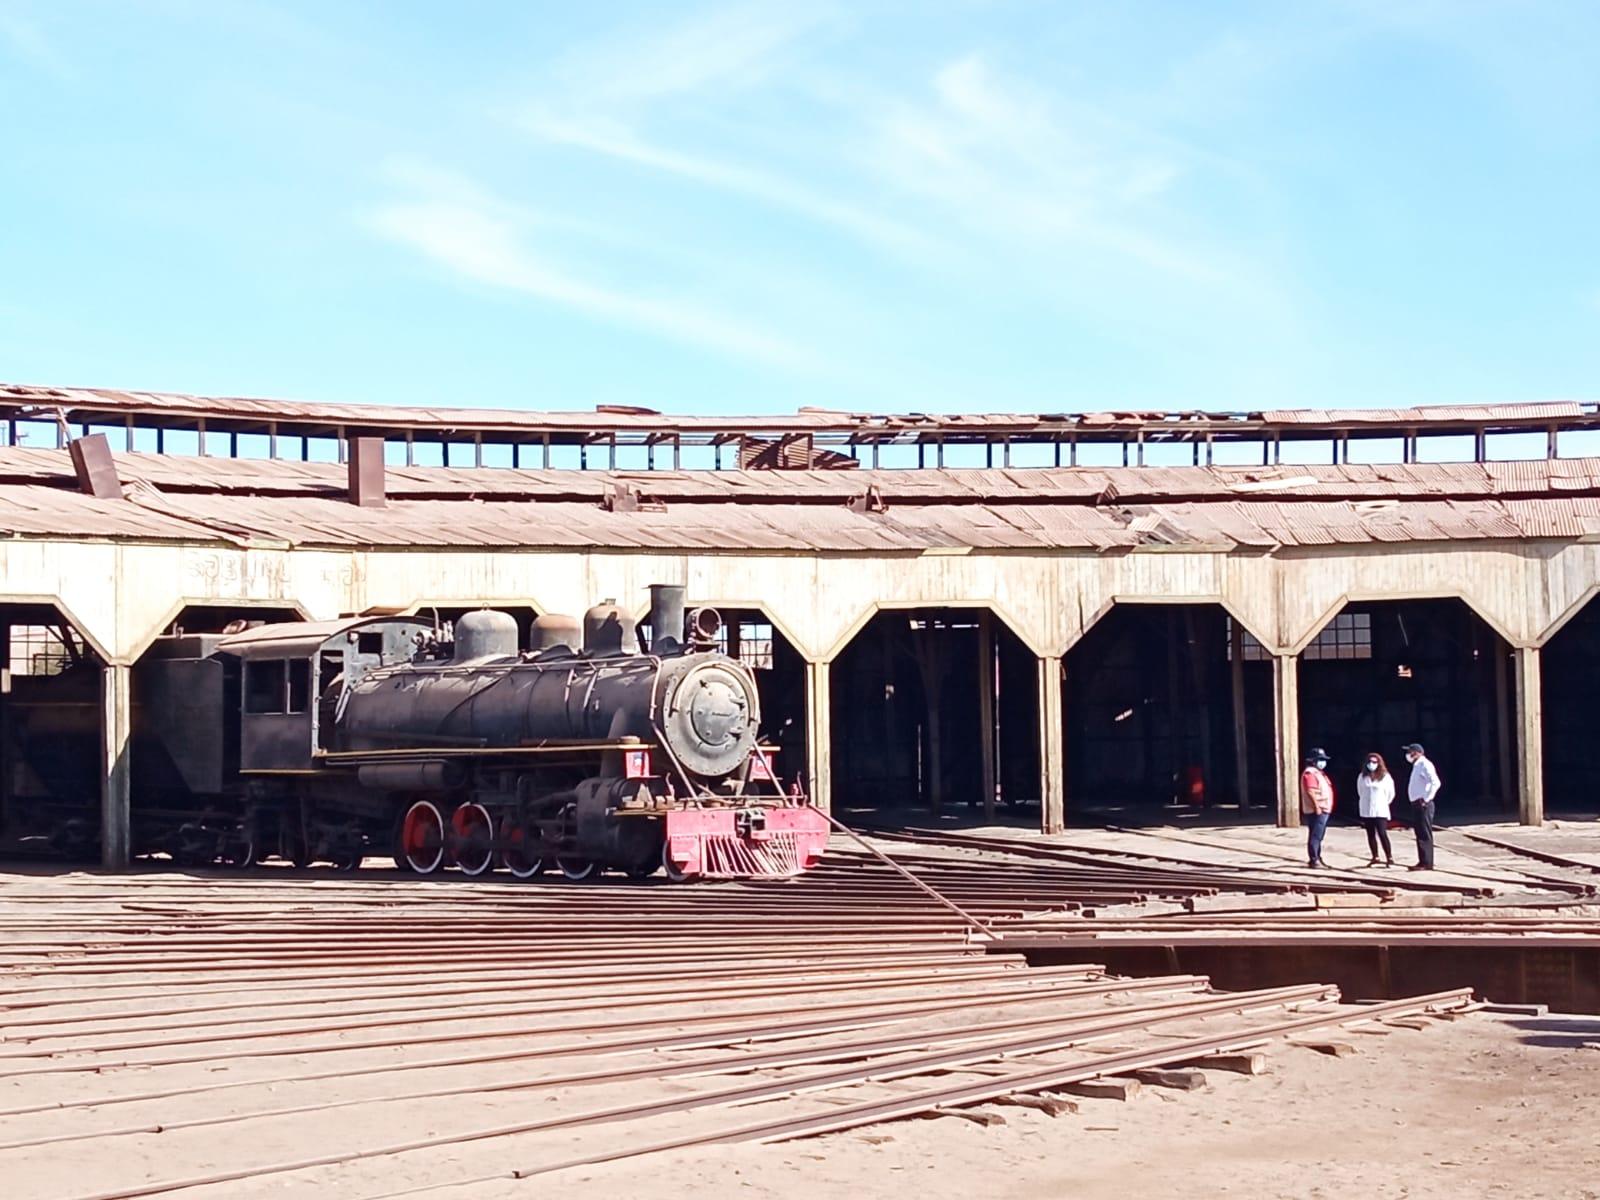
x,y
1409,748
1316,752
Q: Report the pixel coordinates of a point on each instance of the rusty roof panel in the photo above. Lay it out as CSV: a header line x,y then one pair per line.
x,y
1466,413
810,517
1129,484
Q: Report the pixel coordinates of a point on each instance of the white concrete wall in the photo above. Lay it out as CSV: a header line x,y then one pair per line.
x,y
122,595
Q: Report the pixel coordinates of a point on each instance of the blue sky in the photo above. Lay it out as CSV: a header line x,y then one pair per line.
x,y
749,207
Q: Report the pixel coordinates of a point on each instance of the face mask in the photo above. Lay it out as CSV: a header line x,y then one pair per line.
x,y
1321,762
1372,764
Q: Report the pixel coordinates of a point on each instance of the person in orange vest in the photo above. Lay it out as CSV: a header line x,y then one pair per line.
x,y
1316,803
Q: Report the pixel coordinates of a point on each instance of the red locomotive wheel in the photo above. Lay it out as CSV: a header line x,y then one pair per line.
x,y
515,857
472,839
422,838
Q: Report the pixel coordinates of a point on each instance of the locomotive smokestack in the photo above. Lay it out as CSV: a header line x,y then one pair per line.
x,y
666,618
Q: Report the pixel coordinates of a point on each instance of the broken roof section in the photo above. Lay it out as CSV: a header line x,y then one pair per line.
x,y
772,439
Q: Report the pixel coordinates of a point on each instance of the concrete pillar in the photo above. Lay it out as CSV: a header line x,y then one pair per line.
x,y
819,737
1052,749
116,721
1241,736
986,689
1530,737
5,703
1286,736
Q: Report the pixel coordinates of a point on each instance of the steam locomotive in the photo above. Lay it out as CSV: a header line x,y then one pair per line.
x,y
333,740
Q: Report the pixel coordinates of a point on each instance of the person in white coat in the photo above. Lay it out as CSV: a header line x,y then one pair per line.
x,y
1374,795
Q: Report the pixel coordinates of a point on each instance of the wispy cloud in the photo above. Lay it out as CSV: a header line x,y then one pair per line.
x,y
726,49
997,155
25,41
474,236
615,140
602,100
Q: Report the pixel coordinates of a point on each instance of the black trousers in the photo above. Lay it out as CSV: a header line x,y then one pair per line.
x,y
1422,822
1378,834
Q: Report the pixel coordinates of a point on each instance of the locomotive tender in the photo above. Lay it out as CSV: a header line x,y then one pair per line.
x,y
331,740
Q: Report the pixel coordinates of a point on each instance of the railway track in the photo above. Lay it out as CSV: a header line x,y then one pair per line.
x,y
277,1033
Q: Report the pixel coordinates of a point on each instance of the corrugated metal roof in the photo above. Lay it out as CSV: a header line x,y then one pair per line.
x,y
1465,413
37,511
265,477
261,502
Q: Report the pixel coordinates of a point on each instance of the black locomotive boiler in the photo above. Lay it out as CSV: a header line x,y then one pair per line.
x,y
333,740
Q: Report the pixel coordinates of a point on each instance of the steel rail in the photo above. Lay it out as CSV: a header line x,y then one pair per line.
x,y
912,945
863,1012
797,984
392,971
711,1039
738,1064
750,1093
1022,1081
1545,856
1200,937
243,1029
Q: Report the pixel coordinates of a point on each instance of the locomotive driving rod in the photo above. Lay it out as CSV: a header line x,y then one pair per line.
x,y
971,921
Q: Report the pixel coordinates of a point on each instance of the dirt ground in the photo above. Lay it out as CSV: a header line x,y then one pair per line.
x,y
1481,1107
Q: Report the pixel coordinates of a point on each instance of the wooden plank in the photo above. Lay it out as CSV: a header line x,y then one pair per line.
x,y
1178,1078
977,1116
1119,1088
1238,1064
1331,1049
1052,1106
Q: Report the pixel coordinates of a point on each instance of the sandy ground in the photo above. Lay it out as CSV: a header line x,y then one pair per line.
x,y
1485,1106
1490,1106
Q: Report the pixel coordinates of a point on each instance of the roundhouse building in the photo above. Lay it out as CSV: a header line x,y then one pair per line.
x,y
1116,616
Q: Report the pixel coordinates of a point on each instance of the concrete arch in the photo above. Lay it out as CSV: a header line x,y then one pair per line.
x,y
1363,597
761,606
148,636
1566,616
863,618
96,642
1153,601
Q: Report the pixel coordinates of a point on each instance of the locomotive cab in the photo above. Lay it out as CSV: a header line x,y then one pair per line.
x,y
294,676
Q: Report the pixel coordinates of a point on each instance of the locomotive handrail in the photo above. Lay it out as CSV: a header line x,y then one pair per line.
x,y
547,746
